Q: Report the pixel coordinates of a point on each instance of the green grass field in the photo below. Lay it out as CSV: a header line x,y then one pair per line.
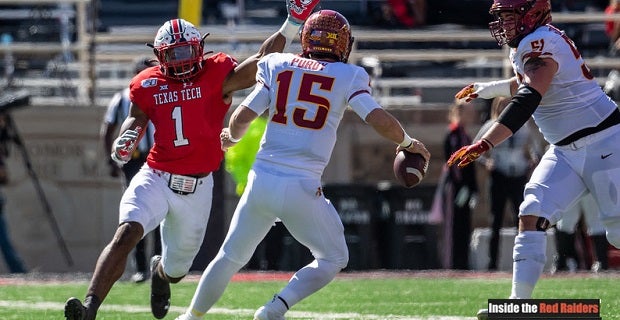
x,y
409,295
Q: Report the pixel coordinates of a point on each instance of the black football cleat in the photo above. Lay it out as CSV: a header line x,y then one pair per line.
x,y
160,291
74,310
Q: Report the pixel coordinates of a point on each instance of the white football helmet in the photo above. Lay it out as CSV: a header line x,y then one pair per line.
x,y
179,46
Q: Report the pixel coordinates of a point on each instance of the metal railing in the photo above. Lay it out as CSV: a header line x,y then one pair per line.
x,y
118,48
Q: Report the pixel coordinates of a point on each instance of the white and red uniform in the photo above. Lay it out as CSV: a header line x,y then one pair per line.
x,y
581,123
573,102
306,100
188,118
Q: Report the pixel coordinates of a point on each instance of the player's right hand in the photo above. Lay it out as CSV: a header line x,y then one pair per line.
x,y
467,93
484,90
300,10
124,146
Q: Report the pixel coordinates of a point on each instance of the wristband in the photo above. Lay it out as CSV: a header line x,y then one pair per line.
x,y
233,140
489,143
289,29
407,142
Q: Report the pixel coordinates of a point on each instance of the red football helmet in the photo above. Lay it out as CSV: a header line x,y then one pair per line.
x,y
179,46
327,33
527,16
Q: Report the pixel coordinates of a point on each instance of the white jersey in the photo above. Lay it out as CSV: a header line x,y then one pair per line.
x,y
574,100
307,100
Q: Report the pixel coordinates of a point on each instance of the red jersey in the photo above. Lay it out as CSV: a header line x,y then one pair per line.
x,y
609,24
188,116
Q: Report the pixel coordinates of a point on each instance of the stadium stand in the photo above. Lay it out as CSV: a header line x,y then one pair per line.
x,y
50,56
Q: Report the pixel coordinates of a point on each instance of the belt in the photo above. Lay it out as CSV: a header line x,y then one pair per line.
x,y
612,120
167,174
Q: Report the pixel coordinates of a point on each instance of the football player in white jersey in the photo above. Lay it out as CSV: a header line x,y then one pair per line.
x,y
553,84
306,97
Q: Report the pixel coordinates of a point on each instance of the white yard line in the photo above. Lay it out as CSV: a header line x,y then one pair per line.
x,y
238,312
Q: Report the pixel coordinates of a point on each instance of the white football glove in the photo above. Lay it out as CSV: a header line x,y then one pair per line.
x,y
485,90
125,145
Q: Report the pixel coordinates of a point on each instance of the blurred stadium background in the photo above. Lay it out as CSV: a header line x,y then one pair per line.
x,y
62,60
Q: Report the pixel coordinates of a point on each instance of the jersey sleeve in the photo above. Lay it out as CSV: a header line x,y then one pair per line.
x,y
221,63
359,96
263,70
258,100
138,86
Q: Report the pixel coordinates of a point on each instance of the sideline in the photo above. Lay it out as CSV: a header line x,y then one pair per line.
x,y
27,305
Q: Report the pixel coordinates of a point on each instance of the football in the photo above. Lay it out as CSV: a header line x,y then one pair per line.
x,y
409,168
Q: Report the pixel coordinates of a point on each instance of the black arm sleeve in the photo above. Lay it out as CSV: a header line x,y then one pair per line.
x,y
520,108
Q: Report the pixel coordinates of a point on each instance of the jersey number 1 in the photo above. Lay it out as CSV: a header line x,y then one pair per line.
x,y
178,127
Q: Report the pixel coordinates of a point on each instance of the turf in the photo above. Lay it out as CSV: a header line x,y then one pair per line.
x,y
410,295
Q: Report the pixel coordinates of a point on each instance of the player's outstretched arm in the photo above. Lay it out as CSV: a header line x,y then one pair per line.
x,y
488,90
244,74
390,128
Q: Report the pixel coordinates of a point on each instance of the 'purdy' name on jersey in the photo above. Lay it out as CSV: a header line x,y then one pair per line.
x,y
172,96
308,64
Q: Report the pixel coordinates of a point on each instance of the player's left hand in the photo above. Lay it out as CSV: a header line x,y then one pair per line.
x,y
468,154
300,10
225,139
416,147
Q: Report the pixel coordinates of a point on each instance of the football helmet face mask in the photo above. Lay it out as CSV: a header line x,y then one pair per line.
x,y
514,19
327,33
179,46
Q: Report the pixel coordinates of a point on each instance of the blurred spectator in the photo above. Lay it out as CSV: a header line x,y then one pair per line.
x,y
13,262
612,29
567,258
508,166
404,13
117,111
461,187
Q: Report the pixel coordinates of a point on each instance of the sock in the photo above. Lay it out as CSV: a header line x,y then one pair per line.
x,y
277,305
309,280
191,316
529,260
92,304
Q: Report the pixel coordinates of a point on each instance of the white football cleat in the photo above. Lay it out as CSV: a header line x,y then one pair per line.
x,y
264,313
483,314
186,316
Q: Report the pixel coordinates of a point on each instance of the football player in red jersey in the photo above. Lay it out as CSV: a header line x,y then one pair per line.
x,y
186,98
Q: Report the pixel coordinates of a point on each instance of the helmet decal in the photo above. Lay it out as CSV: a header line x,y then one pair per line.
x,y
327,33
